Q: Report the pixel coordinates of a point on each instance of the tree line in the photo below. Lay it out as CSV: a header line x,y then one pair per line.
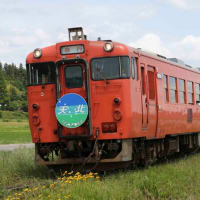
x,y
13,87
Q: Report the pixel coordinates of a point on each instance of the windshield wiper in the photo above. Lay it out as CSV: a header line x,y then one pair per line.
x,y
102,75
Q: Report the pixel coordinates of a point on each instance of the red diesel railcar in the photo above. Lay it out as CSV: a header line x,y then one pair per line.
x,y
139,106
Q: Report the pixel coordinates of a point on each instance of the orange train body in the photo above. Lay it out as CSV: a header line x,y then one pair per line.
x,y
148,105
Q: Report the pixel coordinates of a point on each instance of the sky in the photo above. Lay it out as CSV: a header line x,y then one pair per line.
x,y
167,27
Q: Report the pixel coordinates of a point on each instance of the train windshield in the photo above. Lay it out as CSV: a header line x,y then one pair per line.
x,y
110,68
41,73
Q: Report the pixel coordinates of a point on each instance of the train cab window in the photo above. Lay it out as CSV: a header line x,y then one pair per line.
x,y
190,92
181,91
165,88
110,68
41,73
197,88
173,89
74,77
134,67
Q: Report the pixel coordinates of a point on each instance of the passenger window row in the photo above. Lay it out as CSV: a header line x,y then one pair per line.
x,y
175,90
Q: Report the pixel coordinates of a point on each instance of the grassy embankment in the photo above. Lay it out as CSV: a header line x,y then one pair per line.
x,y
14,128
176,180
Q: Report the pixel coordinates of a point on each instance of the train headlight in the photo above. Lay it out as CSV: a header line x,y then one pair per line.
x,y
37,53
108,46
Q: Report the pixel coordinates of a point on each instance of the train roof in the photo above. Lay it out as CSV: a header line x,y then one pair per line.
x,y
175,61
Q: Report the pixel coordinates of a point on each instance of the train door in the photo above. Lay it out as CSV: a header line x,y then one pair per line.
x,y
73,80
144,98
148,97
151,101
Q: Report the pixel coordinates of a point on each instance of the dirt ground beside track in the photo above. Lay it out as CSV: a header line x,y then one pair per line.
x,y
12,147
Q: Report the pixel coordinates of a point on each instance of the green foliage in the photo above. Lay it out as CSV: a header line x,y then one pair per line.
x,y
13,88
3,91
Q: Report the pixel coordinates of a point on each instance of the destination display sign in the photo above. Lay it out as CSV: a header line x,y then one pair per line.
x,y
71,49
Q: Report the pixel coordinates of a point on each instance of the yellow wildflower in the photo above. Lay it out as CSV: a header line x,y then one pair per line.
x,y
26,190
36,188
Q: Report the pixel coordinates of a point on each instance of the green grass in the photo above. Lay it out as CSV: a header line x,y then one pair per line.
x,y
14,132
176,180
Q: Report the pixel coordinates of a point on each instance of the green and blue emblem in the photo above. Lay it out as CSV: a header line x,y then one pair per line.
x,y
71,110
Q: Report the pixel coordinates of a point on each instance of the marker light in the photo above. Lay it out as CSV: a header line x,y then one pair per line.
x,y
35,106
108,46
37,53
117,115
116,101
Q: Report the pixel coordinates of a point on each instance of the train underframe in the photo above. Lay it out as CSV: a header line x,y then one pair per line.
x,y
130,152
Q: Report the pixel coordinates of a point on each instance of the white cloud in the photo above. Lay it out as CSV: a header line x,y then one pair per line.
x,y
188,48
185,4
179,3
152,42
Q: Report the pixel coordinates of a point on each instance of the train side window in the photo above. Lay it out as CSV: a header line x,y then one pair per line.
x,y
165,88
190,92
173,89
197,88
74,77
134,67
182,91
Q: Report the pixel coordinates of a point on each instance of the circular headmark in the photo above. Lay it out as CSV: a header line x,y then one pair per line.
x,y
71,110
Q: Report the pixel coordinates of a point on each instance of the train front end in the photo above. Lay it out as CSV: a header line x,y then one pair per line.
x,y
79,102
